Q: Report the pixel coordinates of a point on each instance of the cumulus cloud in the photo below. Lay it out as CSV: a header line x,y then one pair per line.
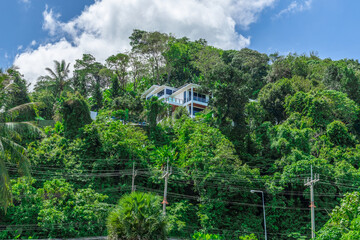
x,y
51,23
296,6
103,28
33,43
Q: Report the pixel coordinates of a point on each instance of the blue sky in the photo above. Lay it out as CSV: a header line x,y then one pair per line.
x,y
329,27
21,24
39,31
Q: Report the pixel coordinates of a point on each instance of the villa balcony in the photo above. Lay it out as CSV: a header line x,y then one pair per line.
x,y
175,101
200,100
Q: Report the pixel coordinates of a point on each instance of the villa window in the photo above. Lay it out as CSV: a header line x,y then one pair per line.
x,y
161,93
199,97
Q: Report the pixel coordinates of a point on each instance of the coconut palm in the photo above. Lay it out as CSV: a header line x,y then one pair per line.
x,y
58,79
12,154
138,216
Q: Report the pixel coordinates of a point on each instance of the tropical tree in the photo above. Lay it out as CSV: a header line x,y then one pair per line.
x,y
87,76
16,88
88,81
152,46
75,114
138,216
155,110
57,80
57,204
344,220
11,152
119,64
138,69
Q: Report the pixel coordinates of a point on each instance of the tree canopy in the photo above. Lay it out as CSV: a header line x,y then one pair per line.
x,y
270,119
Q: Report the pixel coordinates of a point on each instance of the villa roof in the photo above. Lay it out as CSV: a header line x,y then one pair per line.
x,y
156,88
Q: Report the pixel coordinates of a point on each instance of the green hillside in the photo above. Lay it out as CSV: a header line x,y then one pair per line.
x,y
270,119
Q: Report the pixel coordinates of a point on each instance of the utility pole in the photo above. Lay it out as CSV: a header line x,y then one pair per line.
x,y
263,201
311,182
192,102
166,176
134,173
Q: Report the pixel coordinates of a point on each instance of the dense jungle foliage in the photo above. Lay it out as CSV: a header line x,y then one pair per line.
x,y
270,119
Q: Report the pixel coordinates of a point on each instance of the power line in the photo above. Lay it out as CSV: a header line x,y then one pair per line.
x,y
128,172
198,198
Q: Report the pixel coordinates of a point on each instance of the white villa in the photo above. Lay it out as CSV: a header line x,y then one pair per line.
x,y
186,96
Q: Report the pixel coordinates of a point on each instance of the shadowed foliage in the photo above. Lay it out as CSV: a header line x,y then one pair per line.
x,y
137,216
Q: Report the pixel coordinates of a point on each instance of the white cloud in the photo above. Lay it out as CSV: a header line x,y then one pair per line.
x,y
25,1
103,28
33,43
51,22
20,47
33,62
296,6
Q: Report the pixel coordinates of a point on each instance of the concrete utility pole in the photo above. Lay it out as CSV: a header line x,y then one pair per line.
x,y
166,176
134,173
192,102
311,182
263,201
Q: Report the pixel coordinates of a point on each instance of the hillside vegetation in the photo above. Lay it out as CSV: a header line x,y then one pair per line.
x,y
271,119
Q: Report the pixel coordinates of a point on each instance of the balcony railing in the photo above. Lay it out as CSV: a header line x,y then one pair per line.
x,y
199,99
181,101
174,100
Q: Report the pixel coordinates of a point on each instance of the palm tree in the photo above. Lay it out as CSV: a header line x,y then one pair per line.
x,y
138,216
11,152
57,80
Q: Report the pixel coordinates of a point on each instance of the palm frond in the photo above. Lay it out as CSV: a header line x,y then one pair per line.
x,y
24,128
10,150
16,155
10,86
62,65
52,73
8,132
26,107
58,67
44,83
5,190
25,111
2,150
45,79
67,69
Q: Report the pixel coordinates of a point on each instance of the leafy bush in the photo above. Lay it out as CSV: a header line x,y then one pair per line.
x,y
55,210
205,236
75,113
324,107
137,216
344,221
248,237
338,134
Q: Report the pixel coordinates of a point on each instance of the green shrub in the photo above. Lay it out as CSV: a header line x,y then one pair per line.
x,y
205,236
137,216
